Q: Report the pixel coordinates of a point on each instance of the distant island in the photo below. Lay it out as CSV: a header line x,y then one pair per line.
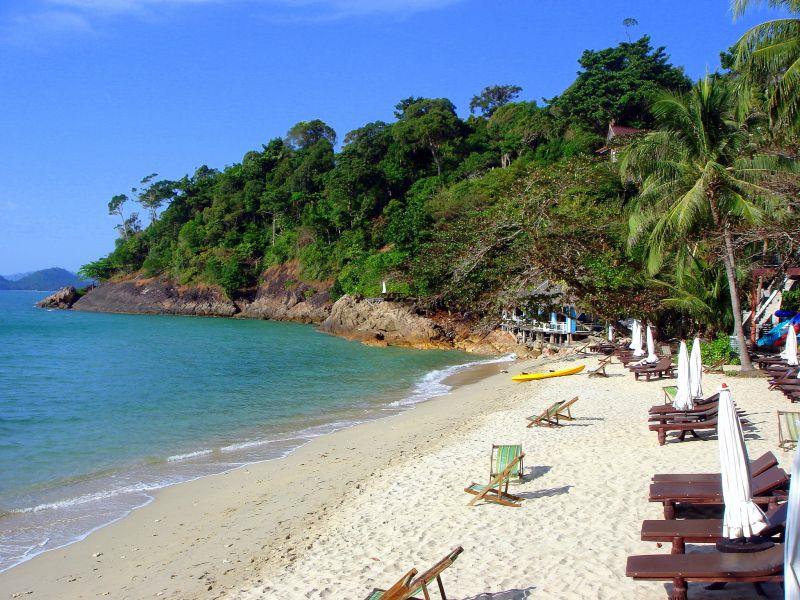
x,y
46,279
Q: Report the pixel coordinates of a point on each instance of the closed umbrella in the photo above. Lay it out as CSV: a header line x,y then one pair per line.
x,y
742,518
696,370
610,333
791,548
789,353
636,342
651,347
683,398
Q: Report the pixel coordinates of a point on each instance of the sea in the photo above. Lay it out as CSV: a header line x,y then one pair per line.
x,y
99,411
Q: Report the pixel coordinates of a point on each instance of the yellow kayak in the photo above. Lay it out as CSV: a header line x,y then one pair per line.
x,y
535,376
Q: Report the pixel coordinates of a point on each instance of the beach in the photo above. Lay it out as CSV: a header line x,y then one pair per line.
x,y
355,509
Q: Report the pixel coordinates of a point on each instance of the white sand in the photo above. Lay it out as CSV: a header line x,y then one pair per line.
x,y
356,509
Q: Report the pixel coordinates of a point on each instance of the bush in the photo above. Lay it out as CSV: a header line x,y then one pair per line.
x,y
791,300
717,350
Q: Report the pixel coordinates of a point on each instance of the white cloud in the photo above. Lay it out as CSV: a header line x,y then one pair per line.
x,y
51,17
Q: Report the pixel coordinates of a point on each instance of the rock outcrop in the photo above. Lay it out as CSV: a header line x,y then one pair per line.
x,y
383,323
156,296
283,297
64,298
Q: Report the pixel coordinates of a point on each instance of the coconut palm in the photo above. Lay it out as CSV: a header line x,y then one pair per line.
x,y
768,55
698,177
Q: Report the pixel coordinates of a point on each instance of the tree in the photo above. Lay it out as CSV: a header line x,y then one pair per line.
x,y
618,83
428,123
115,209
307,133
152,194
627,24
770,53
493,97
698,177
517,127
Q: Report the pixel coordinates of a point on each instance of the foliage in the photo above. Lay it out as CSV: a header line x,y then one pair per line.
x,y
492,98
791,300
718,350
100,269
618,84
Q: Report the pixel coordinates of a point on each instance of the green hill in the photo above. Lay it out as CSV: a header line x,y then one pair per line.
x,y
44,280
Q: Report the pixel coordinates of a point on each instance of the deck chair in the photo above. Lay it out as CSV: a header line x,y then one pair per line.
x,y
554,414
600,369
788,429
497,489
715,368
410,585
699,405
670,391
710,567
501,457
757,467
663,368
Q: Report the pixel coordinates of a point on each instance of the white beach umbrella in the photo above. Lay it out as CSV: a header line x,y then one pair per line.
x,y
696,370
632,345
791,547
683,398
610,333
789,353
742,517
383,288
636,344
651,347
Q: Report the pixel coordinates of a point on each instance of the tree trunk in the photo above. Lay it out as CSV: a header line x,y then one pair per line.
x,y
436,160
733,287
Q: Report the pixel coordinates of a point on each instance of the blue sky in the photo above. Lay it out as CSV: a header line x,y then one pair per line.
x,y
98,93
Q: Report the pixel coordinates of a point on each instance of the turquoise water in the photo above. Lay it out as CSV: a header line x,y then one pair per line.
x,y
98,410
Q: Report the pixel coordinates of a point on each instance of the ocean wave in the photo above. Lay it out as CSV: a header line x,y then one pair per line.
x,y
137,488
188,455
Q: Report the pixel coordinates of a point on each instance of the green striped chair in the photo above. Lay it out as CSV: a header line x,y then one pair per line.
x,y
497,489
410,585
788,429
502,456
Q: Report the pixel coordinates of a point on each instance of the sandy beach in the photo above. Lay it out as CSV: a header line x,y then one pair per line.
x,y
357,508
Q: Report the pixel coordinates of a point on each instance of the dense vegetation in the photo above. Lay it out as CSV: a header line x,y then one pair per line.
x,y
473,214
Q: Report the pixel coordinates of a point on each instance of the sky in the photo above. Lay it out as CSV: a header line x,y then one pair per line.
x,y
97,94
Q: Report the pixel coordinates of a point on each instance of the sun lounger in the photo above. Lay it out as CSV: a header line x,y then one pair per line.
x,y
410,585
663,368
764,361
698,404
764,486
788,429
502,456
497,489
710,567
715,368
683,427
553,415
699,413
703,531
757,466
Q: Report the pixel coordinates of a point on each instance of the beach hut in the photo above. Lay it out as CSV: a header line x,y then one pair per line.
x,y
742,518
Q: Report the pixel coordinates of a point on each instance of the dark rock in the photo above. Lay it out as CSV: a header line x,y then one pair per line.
x,y
63,298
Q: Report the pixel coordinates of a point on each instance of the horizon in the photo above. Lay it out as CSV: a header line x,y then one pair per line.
x,y
107,92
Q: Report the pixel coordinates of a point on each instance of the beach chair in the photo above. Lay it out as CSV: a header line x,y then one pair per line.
x,y
788,429
670,391
554,414
715,368
600,369
663,368
764,489
683,427
408,585
497,489
679,532
757,467
710,567
502,456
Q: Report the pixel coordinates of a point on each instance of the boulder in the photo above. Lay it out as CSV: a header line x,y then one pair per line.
x,y
63,298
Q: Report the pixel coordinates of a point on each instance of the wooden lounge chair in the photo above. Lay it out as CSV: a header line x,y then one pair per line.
x,y
683,427
502,456
710,567
663,368
600,369
699,404
764,361
497,489
553,415
788,429
757,466
409,585
699,413
704,531
715,368
764,487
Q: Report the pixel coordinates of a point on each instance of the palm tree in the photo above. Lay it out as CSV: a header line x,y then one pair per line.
x,y
768,56
699,177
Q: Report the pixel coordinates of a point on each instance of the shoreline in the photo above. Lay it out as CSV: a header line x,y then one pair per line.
x,y
464,374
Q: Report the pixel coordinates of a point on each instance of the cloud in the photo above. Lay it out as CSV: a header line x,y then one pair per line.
x,y
53,17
